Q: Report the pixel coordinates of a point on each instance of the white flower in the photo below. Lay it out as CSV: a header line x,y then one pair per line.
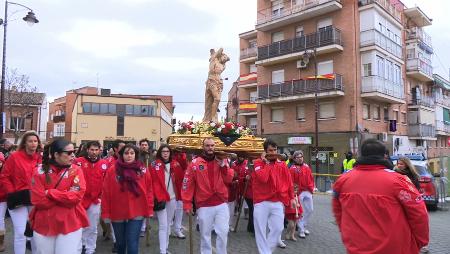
x,y
222,126
237,131
241,128
219,129
213,124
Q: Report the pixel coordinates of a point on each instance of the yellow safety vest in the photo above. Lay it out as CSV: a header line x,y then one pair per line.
x,y
348,165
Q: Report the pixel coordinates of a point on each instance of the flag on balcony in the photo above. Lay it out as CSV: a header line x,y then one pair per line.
x,y
248,78
392,125
247,106
330,76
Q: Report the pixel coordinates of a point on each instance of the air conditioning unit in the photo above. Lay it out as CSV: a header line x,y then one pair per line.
x,y
301,64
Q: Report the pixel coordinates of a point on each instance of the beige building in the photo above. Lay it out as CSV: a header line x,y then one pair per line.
x,y
89,113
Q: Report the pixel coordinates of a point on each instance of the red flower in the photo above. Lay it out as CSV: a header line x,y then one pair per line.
x,y
228,126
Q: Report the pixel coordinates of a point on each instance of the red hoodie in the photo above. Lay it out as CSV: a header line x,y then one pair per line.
x,y
379,211
242,171
59,211
157,170
18,170
93,173
302,176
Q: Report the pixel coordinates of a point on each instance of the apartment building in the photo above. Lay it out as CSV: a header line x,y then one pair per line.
x,y
89,113
372,59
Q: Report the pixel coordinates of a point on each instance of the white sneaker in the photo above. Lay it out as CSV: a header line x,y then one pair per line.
x,y
231,229
306,232
301,234
180,235
281,244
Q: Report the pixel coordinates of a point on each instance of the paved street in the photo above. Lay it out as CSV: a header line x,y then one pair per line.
x,y
324,237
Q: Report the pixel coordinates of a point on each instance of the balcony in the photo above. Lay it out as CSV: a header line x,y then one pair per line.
x,y
442,128
424,101
381,89
300,90
325,41
443,100
248,109
375,38
248,80
288,13
386,5
422,131
417,33
58,119
418,16
248,55
419,69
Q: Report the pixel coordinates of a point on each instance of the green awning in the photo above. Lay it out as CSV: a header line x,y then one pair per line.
x,y
442,82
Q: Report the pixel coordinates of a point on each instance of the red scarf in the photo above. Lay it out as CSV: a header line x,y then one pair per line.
x,y
128,175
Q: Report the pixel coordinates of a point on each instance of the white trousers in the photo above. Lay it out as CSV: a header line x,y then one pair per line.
x,y
270,215
178,217
165,216
306,201
89,237
19,217
60,244
3,208
217,218
231,207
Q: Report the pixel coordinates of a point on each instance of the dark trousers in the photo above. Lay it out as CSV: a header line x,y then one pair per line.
x,y
127,236
250,227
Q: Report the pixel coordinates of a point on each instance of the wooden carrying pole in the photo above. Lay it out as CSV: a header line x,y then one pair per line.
x,y
240,204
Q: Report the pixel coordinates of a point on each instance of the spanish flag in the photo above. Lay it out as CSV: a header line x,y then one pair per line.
x,y
248,78
247,106
330,76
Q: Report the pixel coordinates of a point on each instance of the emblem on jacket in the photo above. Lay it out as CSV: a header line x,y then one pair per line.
x,y
104,167
201,167
76,184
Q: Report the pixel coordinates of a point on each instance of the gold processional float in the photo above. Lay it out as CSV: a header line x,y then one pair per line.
x,y
229,137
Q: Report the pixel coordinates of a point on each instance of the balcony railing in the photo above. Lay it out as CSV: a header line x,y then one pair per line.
x,y
375,37
421,130
248,52
324,37
417,64
268,15
381,85
442,126
386,5
423,101
300,87
418,33
443,100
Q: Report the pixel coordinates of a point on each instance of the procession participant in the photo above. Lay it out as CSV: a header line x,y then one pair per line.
x,y
205,181
302,176
15,181
57,191
272,189
181,158
94,169
146,157
232,198
379,204
164,177
2,209
292,215
244,175
127,198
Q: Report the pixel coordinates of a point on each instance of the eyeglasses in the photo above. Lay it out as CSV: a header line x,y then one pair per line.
x,y
69,152
165,151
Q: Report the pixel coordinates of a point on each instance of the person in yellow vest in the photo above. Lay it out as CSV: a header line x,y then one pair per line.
x,y
348,163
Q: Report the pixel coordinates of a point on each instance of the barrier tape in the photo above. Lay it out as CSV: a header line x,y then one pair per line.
x,y
334,175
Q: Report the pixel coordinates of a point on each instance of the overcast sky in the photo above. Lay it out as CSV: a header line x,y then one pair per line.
x,y
149,46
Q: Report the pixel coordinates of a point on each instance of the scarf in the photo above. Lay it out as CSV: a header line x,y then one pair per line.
x,y
128,175
374,160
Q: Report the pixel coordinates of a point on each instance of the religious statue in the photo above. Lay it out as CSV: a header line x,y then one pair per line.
x,y
214,84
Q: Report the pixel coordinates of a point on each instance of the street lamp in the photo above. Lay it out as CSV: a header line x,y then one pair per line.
x,y
31,19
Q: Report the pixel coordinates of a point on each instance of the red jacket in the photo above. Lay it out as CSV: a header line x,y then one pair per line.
x,y
196,182
60,210
382,206
243,171
272,182
18,170
2,191
124,205
302,176
94,174
157,170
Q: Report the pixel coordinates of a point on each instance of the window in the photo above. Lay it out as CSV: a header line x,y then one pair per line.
x,y
396,115
278,76
367,69
252,123
327,110
386,114
278,36
252,43
366,111
253,68
104,108
277,8
120,125
388,73
253,96
140,110
410,53
397,74
376,112
301,112
299,31
324,24
325,67
137,110
112,108
380,66
129,109
95,108
17,123
403,117
86,107
59,130
277,115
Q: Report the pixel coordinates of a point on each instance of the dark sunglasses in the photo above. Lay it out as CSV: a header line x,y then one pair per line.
x,y
69,152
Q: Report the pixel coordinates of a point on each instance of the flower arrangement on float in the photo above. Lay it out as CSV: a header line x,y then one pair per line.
x,y
213,128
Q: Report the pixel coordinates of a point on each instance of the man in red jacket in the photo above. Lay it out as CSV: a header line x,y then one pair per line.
x,y
272,190
377,210
205,180
93,169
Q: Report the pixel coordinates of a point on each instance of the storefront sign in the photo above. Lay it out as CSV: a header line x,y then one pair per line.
x,y
300,141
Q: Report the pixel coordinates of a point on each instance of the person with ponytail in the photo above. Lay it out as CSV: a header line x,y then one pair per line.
x,y
57,190
127,198
15,181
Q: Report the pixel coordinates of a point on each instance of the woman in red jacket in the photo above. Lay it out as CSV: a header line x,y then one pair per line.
x,y
57,190
127,198
15,181
166,172
2,209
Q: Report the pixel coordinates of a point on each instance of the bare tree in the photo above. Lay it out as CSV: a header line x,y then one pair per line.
x,y
20,98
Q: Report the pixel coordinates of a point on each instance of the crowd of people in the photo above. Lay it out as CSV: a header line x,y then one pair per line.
x,y
57,196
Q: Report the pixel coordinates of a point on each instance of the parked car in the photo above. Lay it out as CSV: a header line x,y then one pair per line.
x,y
427,185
